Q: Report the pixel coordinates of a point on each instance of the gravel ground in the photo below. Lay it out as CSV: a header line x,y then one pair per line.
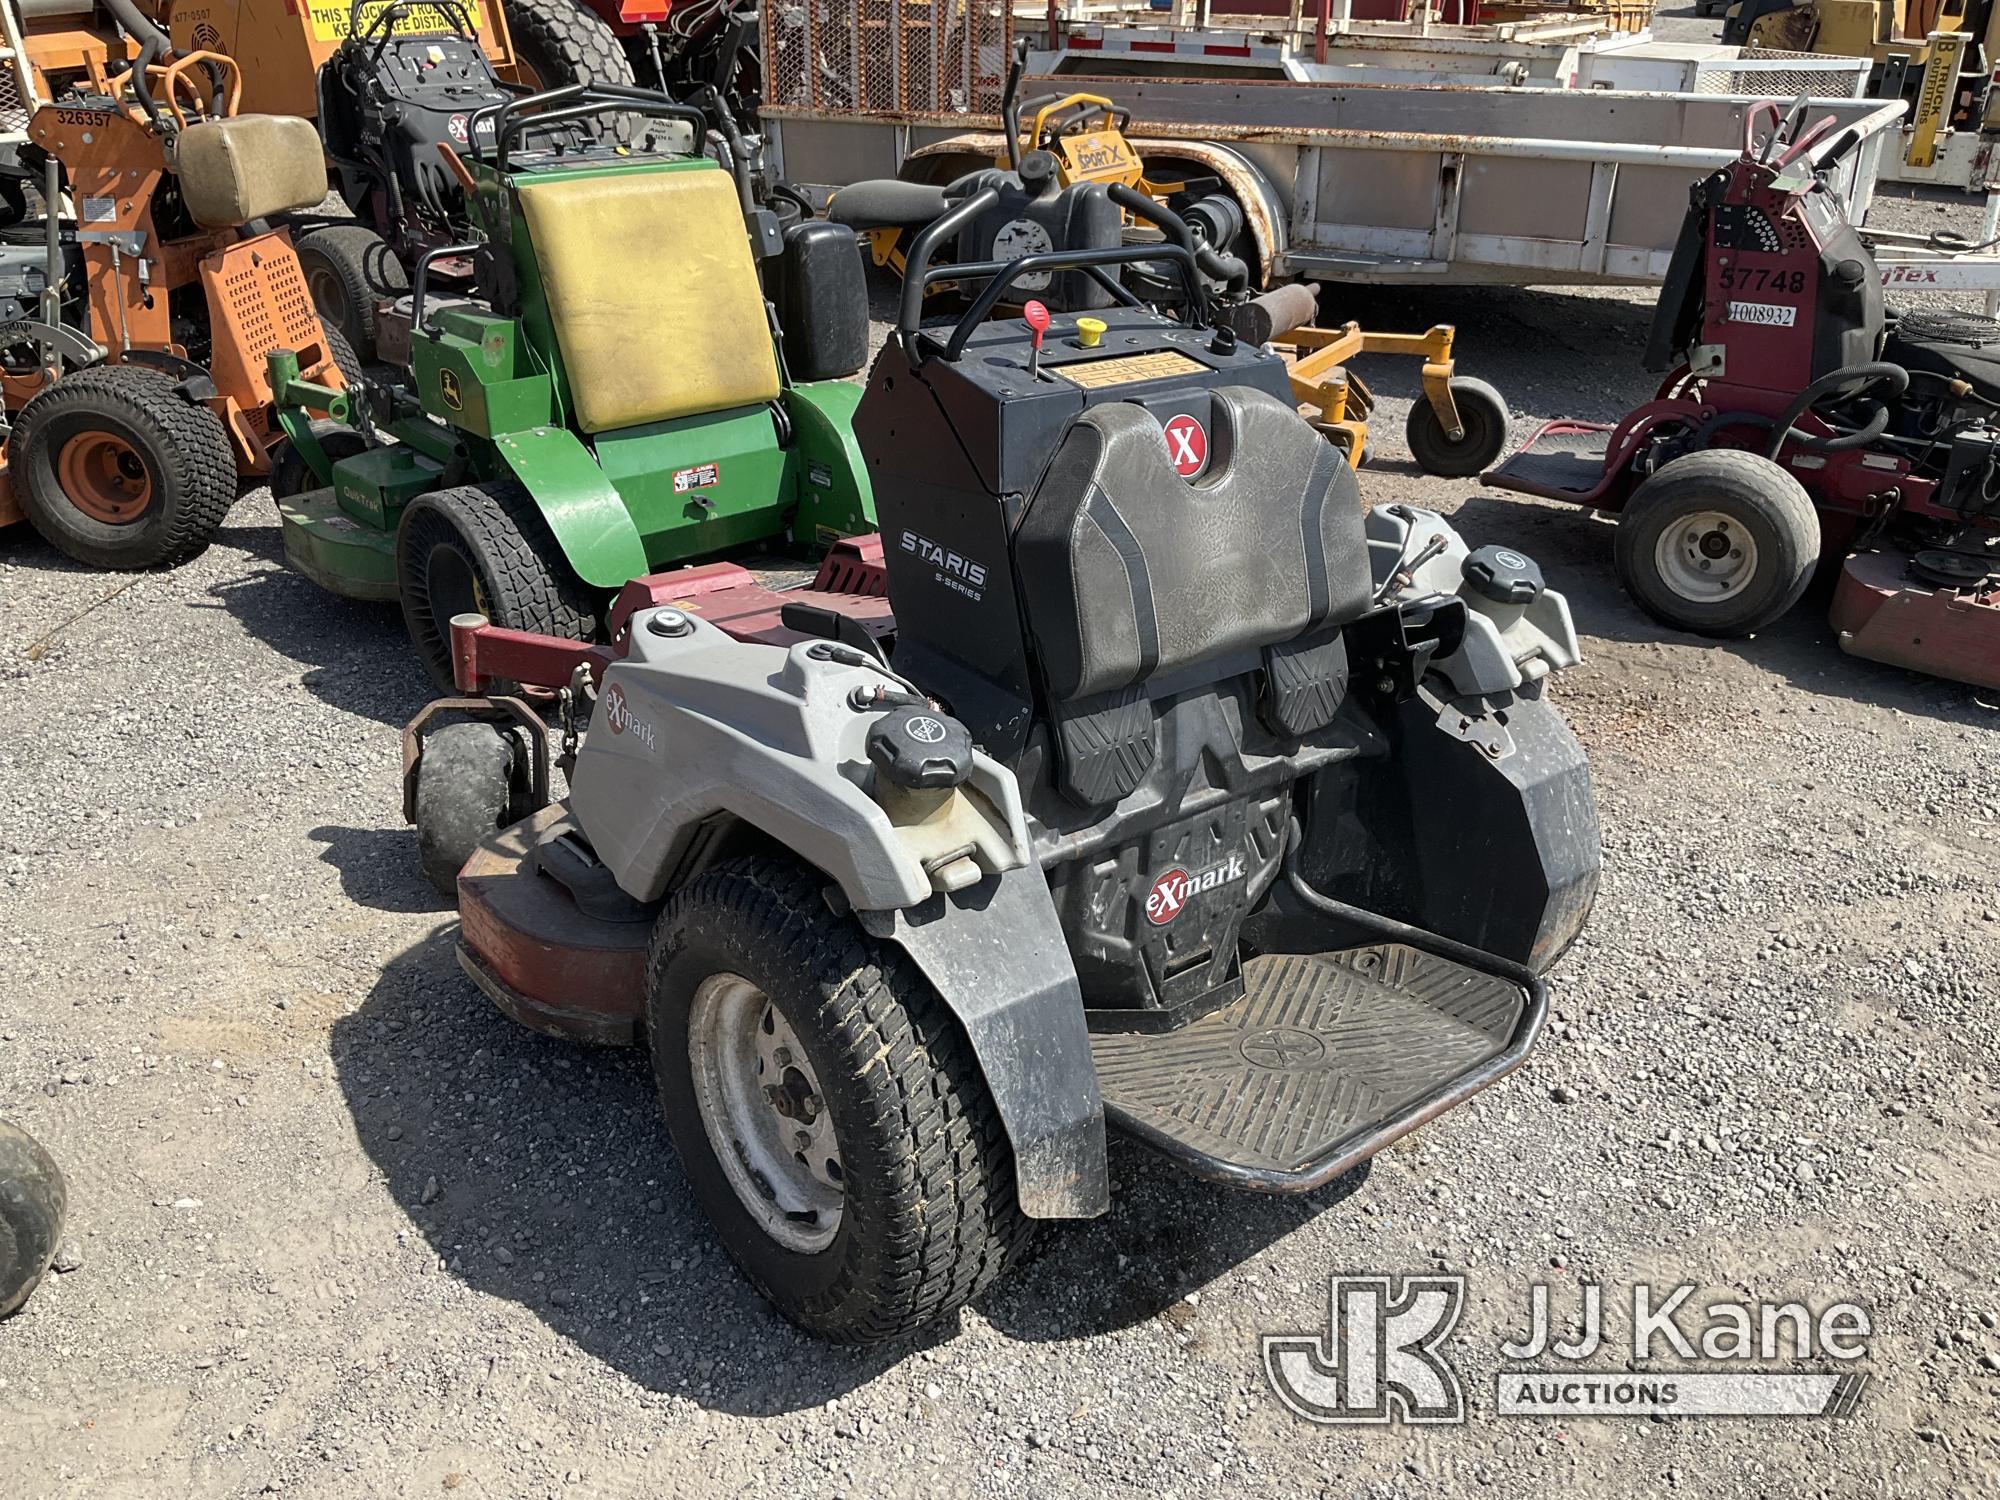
x,y
338,1228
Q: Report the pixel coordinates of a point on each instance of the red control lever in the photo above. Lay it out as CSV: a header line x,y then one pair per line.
x,y
1036,317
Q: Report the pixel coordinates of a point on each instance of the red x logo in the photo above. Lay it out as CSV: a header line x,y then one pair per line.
x,y
1187,446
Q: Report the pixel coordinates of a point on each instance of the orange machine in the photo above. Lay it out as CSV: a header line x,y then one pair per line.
x,y
139,393
280,45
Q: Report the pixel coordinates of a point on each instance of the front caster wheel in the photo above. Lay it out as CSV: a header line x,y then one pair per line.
x,y
1719,543
468,789
1482,416
828,1110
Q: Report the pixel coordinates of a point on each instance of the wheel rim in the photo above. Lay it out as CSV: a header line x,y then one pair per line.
x,y
452,586
764,1114
105,478
328,293
1706,557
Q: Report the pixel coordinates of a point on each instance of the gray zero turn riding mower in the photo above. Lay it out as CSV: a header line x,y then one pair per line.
x,y
1174,795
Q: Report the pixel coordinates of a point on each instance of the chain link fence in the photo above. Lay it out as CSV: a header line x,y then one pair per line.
x,y
900,57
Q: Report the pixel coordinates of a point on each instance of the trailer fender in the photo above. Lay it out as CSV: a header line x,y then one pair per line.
x,y
835,496
1263,210
996,955
583,509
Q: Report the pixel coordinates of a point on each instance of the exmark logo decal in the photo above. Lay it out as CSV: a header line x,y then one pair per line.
x,y
618,714
960,574
1172,891
1187,445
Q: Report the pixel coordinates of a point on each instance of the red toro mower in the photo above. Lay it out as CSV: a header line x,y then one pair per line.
x,y
1797,422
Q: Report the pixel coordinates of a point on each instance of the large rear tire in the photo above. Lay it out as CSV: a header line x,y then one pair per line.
x,y
827,1108
1720,543
349,268
117,469
484,549
560,41
33,1197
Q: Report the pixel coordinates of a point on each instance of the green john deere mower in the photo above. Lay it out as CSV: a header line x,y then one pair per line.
x,y
615,396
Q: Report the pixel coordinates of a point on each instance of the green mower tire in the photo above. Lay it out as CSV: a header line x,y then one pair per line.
x,y
484,549
33,1197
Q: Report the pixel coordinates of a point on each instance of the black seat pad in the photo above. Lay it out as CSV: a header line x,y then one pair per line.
x,y
1129,571
887,204
1948,343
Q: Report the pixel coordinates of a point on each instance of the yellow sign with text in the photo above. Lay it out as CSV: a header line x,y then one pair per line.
x,y
330,21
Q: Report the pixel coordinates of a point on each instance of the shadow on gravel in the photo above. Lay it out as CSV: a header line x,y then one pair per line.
x,y
357,656
538,1171
1167,1234
378,868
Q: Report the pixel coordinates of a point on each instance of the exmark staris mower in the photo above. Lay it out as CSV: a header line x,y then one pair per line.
x,y
1795,424
1173,795
614,398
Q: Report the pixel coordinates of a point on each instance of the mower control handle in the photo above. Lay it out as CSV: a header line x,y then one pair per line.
x,y
576,101
918,272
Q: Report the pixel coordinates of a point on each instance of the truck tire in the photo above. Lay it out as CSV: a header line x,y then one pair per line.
x,y
1482,412
117,469
827,1108
561,41
33,1197
348,268
1719,543
484,549
465,793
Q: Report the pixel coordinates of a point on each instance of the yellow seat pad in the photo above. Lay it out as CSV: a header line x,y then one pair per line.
x,y
653,295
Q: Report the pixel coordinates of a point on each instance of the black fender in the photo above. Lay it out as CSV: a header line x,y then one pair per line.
x,y
1476,828
996,954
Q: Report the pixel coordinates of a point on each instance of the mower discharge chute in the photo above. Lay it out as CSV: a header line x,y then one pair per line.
x,y
135,370
1796,422
1172,794
610,399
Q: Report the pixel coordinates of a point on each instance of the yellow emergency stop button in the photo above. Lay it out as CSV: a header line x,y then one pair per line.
x,y
1090,332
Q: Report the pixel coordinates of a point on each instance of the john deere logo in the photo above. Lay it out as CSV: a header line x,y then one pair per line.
x,y
448,388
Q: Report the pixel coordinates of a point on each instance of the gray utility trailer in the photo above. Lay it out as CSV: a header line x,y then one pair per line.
x,y
1384,182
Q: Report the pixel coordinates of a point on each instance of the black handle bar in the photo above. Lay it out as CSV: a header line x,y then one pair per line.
x,y
578,101
919,273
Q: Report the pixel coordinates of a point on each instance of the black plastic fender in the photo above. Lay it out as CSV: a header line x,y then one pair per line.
x,y
32,1199
1478,829
997,956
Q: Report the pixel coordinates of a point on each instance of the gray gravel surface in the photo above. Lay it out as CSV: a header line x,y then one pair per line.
x,y
338,1228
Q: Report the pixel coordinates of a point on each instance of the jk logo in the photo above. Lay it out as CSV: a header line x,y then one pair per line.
x,y
1378,1359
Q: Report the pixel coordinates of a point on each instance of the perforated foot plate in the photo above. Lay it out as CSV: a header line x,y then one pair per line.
x,y
1323,1061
